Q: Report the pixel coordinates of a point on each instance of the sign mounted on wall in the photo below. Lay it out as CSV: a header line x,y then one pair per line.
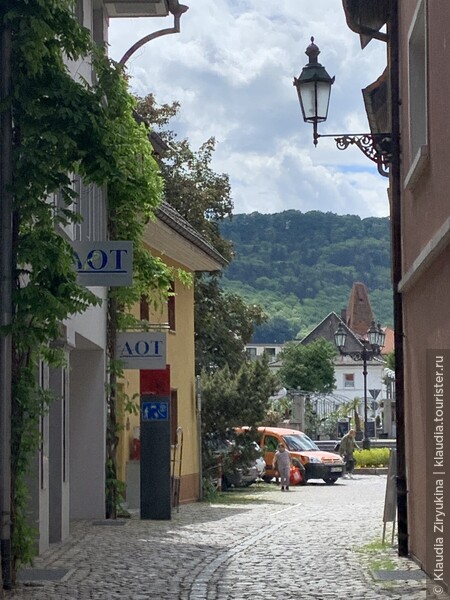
x,y
141,350
105,263
155,411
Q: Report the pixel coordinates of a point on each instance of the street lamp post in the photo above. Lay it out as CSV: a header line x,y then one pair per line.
x,y
314,88
370,348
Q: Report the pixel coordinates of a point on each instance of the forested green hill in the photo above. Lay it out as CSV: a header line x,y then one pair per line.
x,y
301,266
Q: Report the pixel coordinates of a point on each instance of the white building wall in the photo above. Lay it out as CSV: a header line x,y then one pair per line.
x,y
344,365
38,479
87,432
59,455
68,473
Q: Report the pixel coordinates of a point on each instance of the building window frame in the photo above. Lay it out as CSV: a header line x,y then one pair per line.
x,y
171,308
349,380
252,353
417,93
79,11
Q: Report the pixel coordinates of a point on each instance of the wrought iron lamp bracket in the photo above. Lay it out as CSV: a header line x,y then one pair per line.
x,y
365,353
376,146
356,356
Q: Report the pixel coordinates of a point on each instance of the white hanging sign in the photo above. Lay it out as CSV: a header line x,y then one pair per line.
x,y
104,263
141,350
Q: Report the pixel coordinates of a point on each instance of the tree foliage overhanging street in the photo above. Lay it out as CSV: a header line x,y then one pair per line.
x,y
224,322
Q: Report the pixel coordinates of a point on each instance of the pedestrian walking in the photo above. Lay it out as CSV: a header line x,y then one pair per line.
x,y
346,450
282,464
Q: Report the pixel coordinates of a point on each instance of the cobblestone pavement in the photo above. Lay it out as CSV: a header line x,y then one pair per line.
x,y
311,543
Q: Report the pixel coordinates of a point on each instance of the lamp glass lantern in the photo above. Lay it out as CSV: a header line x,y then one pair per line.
x,y
340,336
381,336
376,336
314,89
373,335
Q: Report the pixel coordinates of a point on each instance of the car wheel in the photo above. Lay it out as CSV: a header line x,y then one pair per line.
x,y
330,480
267,479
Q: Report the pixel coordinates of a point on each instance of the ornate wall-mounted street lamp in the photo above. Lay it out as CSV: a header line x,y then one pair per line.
x,y
314,88
370,348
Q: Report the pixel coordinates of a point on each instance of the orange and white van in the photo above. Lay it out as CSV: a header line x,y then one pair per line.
x,y
316,463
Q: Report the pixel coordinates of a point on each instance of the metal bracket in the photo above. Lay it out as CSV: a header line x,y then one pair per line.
x,y
376,146
177,13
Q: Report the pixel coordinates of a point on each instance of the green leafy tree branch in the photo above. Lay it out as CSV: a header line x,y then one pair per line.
x,y
308,367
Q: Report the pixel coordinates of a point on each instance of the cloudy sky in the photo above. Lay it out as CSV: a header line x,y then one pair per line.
x,y
231,67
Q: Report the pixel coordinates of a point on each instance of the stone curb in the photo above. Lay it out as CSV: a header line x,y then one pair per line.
x,y
371,471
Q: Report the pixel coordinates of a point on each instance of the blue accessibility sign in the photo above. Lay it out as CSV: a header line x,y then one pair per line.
x,y
155,411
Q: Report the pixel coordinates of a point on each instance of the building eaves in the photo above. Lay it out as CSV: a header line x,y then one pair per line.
x,y
172,218
367,17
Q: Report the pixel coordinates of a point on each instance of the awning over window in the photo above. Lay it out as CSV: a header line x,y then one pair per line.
x,y
367,17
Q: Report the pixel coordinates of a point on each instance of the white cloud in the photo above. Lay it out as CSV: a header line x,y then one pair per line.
x,y
231,67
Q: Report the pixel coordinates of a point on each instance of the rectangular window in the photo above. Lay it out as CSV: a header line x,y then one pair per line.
x,y
349,380
144,309
171,308
251,353
79,11
417,80
90,205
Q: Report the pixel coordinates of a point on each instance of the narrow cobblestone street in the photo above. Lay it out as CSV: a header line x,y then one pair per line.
x,y
310,543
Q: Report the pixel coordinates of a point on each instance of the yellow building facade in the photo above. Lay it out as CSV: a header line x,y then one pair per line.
x,y
172,239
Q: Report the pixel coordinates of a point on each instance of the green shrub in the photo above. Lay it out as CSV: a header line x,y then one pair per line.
x,y
375,457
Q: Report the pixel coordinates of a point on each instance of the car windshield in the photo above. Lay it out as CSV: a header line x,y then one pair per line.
x,y
298,442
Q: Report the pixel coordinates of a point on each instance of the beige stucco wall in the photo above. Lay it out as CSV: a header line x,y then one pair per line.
x,y
181,358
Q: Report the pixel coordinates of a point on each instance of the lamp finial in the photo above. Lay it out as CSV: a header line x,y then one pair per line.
x,y
312,52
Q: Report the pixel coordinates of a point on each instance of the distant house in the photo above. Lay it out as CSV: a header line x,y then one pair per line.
x,y
356,320
349,373
271,351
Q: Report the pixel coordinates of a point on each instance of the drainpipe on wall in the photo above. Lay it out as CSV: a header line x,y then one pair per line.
x,y
199,435
395,185
6,270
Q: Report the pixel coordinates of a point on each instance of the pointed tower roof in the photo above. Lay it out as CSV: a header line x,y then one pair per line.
x,y
359,312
